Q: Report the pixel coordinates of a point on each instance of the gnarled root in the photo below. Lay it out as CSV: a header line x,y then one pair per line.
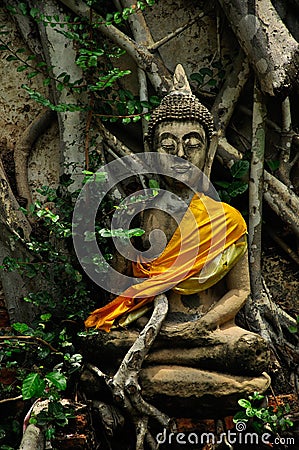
x,y
124,384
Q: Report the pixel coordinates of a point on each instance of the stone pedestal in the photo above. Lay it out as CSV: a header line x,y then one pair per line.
x,y
183,391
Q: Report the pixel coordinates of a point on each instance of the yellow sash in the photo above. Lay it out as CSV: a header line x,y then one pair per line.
x,y
207,229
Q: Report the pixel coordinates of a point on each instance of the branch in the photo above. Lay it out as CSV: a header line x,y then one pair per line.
x,y
111,140
286,139
138,25
27,27
23,148
12,399
256,193
229,94
28,338
155,68
142,35
282,200
268,44
175,33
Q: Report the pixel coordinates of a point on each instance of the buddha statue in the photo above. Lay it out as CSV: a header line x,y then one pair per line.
x,y
201,359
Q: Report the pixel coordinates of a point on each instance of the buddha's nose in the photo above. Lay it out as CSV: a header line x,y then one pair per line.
x,y
180,150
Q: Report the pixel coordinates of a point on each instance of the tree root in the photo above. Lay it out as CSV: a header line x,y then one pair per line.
x,y
124,384
23,148
11,214
283,245
266,318
256,192
282,200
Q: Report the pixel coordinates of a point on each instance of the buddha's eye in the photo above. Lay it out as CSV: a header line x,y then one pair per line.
x,y
192,144
169,148
168,145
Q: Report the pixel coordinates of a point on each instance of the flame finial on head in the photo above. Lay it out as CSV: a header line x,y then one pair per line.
x,y
180,82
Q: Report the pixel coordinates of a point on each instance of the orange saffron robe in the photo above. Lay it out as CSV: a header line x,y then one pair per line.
x,y
207,229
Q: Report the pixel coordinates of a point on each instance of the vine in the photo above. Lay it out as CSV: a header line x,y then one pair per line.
x,y
93,57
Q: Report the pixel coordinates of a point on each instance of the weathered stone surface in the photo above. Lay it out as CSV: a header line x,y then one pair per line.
x,y
181,390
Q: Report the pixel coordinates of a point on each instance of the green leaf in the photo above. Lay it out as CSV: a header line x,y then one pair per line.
x,y
216,64
33,386
237,188
30,271
206,71
50,433
153,184
240,416
135,232
224,196
41,64
47,81
293,329
154,100
46,317
117,17
212,82
20,327
256,396
60,87
223,184
11,58
240,168
244,403
33,12
32,75
198,77
78,276
89,236
145,104
250,412
57,379
21,68
23,8
273,164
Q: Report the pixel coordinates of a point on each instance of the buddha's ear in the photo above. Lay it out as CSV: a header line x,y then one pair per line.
x,y
209,160
146,144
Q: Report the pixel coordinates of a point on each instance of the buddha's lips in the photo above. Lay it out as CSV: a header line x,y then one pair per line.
x,y
180,168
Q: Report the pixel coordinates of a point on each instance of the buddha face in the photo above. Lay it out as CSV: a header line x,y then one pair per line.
x,y
186,140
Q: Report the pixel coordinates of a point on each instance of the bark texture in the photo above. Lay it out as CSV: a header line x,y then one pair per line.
x,y
269,46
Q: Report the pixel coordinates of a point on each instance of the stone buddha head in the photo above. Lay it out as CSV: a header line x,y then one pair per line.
x,y
181,126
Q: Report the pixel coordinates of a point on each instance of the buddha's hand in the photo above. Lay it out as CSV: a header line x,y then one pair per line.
x,y
204,326
223,311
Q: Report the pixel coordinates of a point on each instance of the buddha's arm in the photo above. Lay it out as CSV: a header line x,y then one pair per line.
x,y
227,307
222,312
